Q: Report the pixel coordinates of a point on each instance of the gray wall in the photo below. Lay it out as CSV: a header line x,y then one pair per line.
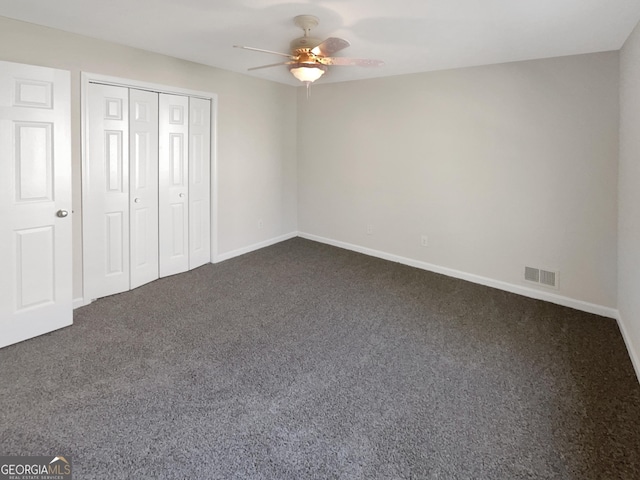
x,y
629,191
501,166
255,145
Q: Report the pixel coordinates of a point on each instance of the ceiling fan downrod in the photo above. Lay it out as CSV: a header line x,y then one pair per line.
x,y
306,23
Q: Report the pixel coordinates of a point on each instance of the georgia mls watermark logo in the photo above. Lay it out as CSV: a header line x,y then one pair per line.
x,y
35,468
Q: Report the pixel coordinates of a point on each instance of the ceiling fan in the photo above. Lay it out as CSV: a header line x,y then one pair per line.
x,y
310,56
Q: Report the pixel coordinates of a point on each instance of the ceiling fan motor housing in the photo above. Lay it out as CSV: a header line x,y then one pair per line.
x,y
306,23
304,43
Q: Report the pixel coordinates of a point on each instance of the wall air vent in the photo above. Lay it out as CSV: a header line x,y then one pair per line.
x,y
532,274
546,278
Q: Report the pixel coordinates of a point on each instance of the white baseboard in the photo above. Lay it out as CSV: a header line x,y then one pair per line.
x,y
256,246
489,282
79,302
635,359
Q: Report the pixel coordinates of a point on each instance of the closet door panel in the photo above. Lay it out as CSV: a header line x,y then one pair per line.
x,y
143,107
106,192
199,175
174,184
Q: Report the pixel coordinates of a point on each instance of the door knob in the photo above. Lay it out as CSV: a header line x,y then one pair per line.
x,y
181,195
62,213
137,200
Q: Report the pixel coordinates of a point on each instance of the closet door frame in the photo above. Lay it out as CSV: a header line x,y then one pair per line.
x,y
88,78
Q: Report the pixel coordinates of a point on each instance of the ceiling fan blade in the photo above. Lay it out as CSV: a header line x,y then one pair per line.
x,y
359,62
265,51
269,66
330,46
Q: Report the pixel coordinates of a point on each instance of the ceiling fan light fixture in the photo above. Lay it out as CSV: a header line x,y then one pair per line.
x,y
310,57
307,73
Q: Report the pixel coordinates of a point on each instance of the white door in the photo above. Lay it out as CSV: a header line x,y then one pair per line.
x,y
105,192
35,202
199,174
143,147
174,184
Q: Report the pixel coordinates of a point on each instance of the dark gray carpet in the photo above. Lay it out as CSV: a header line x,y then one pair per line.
x,y
306,361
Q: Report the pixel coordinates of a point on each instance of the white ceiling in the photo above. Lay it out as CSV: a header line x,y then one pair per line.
x,y
408,35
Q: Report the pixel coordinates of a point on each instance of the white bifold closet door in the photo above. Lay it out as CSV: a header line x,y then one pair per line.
x,y
146,194
199,175
143,181
185,152
120,190
106,192
174,184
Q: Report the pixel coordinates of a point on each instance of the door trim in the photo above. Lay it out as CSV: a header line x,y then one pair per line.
x,y
87,77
